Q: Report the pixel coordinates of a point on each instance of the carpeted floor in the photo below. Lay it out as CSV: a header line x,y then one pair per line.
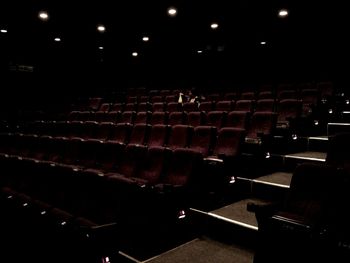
x,y
205,250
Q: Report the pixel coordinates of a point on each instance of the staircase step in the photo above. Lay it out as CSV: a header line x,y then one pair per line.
x,y
237,214
318,144
272,186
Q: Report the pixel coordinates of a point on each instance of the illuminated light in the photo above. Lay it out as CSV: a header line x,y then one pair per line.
x,y
214,25
43,15
182,214
263,43
87,235
283,13
267,155
57,39
43,212
63,223
107,260
145,39
232,180
172,11
10,197
294,137
101,28
25,204
330,111
100,48
4,31
199,51
135,54
347,102
316,122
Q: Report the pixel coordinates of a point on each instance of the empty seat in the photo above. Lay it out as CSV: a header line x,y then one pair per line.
x,y
120,133
104,131
287,111
265,105
176,118
223,105
213,97
158,135
206,106
127,117
155,99
262,125
117,107
142,117
158,106
203,139
183,167
229,142
130,107
247,96
287,94
179,136
196,118
244,105
216,119
158,118
143,99
104,107
230,96
151,167
265,95
238,119
171,98
94,103
143,106
173,107
139,134
190,106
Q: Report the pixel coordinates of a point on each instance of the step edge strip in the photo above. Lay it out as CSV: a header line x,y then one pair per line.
x,y
233,221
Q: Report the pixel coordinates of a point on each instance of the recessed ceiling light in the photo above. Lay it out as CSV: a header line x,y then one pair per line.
x,y
101,48
199,51
283,13
43,15
263,43
214,25
172,11
3,31
101,28
135,54
57,39
145,39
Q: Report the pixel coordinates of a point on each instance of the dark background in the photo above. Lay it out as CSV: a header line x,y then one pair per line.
x,y
311,44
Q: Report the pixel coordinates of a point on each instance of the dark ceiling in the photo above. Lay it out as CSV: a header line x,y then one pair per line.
x,y
312,39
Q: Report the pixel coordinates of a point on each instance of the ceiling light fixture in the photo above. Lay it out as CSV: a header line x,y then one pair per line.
x,y
101,48
57,39
43,15
263,43
172,11
145,39
283,13
3,31
101,28
214,25
135,54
